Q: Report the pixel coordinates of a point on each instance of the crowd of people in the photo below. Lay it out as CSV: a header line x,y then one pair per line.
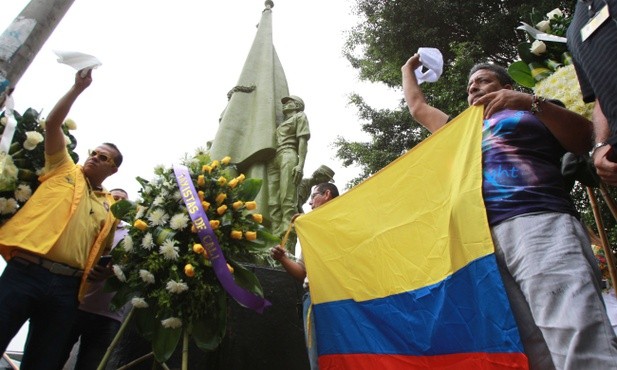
x,y
53,246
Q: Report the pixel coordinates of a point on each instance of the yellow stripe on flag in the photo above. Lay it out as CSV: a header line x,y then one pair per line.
x,y
412,224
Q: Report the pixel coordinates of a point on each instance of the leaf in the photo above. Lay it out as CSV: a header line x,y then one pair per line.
x,y
121,209
208,332
249,188
246,278
164,342
146,322
520,72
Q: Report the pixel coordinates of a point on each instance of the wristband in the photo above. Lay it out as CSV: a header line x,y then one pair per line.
x,y
535,104
596,147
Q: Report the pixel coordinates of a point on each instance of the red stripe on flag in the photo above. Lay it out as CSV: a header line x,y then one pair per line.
x,y
461,361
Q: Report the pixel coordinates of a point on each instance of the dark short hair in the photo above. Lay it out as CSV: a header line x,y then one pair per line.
x,y
120,189
118,158
499,71
321,188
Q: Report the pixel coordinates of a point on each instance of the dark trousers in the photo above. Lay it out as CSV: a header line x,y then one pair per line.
x,y
28,291
95,333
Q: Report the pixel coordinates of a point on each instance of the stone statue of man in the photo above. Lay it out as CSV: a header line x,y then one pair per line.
x,y
285,170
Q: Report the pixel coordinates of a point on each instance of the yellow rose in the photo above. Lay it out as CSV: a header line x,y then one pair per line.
x,y
205,168
189,270
141,225
251,205
237,205
221,181
226,160
236,234
214,164
222,209
201,195
257,217
201,181
198,248
250,235
221,198
241,177
231,269
233,183
206,205
193,229
214,224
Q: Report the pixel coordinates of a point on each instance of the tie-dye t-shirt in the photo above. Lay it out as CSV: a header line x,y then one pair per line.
x,y
521,165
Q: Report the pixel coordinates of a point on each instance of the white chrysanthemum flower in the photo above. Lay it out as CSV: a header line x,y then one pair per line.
x,y
158,217
563,85
127,243
70,124
171,323
159,200
177,195
141,210
176,287
139,302
146,276
10,206
179,221
169,250
23,192
33,138
118,272
147,242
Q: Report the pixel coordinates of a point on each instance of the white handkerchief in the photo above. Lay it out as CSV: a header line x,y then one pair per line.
x,y
432,65
77,60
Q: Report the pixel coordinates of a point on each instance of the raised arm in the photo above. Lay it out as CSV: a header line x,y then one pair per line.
x,y
428,116
54,137
573,131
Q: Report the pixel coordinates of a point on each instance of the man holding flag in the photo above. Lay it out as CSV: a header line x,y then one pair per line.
x,y
542,250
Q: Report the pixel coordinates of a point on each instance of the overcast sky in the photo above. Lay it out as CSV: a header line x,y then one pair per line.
x,y
167,68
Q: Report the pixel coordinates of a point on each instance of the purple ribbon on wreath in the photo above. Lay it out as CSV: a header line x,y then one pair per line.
x,y
210,243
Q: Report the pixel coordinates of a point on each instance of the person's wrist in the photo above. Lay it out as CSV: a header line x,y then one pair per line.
x,y
595,148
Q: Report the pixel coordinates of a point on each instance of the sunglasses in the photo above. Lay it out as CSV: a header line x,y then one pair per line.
x,y
101,156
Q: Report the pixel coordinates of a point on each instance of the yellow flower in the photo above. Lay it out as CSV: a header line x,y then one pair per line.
x,y
231,269
241,177
250,235
250,205
193,229
141,225
238,204
221,198
222,209
226,160
189,270
233,183
257,217
206,205
214,164
201,181
205,168
236,234
214,224
221,181
201,195
198,248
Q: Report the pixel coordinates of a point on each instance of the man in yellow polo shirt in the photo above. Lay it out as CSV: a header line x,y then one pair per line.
x,y
53,242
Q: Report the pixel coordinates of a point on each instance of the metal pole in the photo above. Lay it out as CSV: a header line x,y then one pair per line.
x,y
25,37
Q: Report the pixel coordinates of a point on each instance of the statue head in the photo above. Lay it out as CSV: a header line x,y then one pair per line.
x,y
323,174
299,103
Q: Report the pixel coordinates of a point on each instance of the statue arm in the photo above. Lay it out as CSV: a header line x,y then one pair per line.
x,y
302,150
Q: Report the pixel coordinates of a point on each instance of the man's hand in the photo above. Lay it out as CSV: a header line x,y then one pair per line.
x,y
99,273
606,169
504,99
412,64
83,79
297,175
278,253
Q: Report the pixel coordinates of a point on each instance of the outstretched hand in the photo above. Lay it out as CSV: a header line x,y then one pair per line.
x,y
504,99
83,78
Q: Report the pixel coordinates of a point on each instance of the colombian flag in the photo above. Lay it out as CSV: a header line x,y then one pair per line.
x,y
402,269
